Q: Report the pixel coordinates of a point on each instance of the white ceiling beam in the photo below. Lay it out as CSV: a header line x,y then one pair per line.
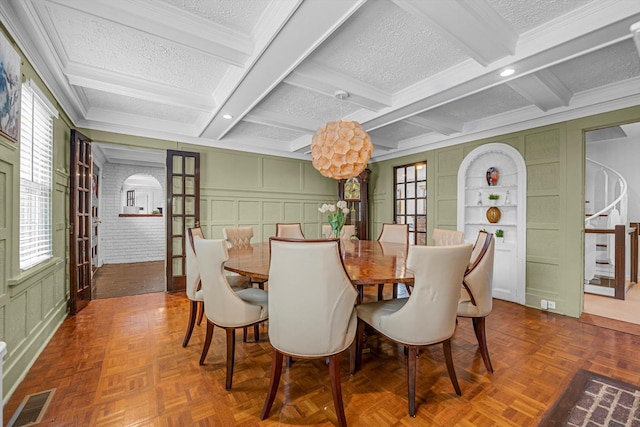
x,y
472,25
543,89
311,24
280,120
440,123
320,78
384,144
595,26
109,81
127,120
175,25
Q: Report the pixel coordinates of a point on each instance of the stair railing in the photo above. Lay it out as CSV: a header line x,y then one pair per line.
x,y
620,202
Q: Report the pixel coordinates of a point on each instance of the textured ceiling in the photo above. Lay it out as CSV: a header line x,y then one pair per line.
x,y
420,74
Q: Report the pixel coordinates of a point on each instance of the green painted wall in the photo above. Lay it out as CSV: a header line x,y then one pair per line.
x,y
554,156
33,303
248,189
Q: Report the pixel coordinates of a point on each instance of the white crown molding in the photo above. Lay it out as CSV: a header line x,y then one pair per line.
x,y
16,11
473,25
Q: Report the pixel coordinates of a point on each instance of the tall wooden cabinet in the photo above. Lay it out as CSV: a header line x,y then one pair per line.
x,y
355,191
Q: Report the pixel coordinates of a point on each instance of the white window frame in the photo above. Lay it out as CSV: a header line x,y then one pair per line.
x,y
36,176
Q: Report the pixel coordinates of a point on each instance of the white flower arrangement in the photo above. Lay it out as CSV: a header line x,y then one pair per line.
x,y
337,215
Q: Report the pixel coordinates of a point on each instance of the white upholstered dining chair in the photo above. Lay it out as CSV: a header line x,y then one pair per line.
x,y
192,288
290,231
427,316
393,233
224,307
311,301
442,237
476,299
238,237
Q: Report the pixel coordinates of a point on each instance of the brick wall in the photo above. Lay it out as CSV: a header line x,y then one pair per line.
x,y
128,239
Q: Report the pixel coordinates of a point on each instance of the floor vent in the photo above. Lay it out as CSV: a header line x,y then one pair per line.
x,y
32,409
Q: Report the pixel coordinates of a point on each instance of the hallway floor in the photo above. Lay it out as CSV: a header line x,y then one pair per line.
x,y
118,280
626,311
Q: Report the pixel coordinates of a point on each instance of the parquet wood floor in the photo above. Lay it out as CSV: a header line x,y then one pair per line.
x,y
120,362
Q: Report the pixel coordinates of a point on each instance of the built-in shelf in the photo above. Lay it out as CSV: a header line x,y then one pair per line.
x,y
509,269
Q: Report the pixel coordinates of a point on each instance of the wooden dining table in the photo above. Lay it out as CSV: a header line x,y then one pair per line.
x,y
367,262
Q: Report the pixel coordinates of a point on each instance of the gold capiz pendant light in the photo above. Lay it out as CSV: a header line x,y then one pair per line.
x,y
341,149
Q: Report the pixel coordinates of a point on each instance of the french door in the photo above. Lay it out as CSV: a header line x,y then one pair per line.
x,y
80,214
183,211
410,207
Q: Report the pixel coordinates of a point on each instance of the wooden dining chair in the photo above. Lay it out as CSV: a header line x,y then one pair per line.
x,y
427,316
476,299
393,233
223,307
291,231
311,301
482,237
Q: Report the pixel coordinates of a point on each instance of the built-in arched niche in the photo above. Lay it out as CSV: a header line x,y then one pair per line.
x,y
141,194
492,187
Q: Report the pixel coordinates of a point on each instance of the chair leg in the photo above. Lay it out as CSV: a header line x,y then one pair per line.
x,y
481,335
406,285
448,358
207,342
256,332
289,361
244,334
276,371
360,344
411,379
380,289
201,312
231,351
336,388
193,307
360,297
395,291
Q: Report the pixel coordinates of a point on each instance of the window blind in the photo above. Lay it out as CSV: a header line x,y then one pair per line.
x,y
36,175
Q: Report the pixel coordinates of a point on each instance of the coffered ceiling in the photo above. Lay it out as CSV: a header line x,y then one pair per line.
x,y
420,74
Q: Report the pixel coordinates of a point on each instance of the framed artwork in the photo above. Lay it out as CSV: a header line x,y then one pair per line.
x,y
9,89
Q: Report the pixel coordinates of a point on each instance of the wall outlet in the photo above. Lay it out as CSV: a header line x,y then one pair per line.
x,y
543,304
551,305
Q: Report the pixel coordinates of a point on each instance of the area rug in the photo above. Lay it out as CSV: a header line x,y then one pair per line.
x,y
591,399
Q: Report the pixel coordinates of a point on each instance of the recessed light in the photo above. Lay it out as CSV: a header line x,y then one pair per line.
x,y
227,116
507,72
